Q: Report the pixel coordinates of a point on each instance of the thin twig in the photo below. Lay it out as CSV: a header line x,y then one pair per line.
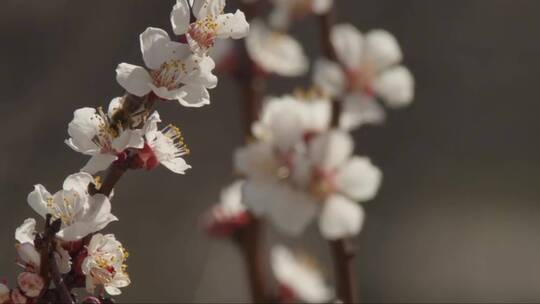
x,y
343,253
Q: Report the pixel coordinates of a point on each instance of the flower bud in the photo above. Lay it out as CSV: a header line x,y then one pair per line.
x,y
17,297
30,284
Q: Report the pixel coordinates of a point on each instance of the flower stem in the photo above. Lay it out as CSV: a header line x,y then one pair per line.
x,y
343,255
342,251
249,242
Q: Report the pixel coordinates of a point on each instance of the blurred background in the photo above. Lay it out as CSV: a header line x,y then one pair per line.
x,y
458,215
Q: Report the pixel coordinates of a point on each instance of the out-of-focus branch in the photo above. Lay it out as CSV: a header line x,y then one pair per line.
x,y
342,251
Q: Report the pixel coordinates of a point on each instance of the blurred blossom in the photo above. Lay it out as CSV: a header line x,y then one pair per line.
x,y
211,23
105,264
285,11
4,293
175,73
230,214
17,297
80,212
275,52
369,68
299,278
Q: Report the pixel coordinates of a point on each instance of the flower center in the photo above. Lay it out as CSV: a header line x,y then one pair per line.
x,y
204,32
362,79
322,183
170,74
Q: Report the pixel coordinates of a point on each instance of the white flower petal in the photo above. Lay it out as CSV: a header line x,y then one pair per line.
x,y
195,96
231,199
329,77
167,94
98,163
84,127
340,218
203,8
26,233
256,160
348,43
78,182
134,79
177,165
275,52
321,6
382,49
116,104
306,282
232,25
180,17
331,149
74,232
153,47
28,254
360,109
38,199
99,214
395,86
203,73
128,139
359,179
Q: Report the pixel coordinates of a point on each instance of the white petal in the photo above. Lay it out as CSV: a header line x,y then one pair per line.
x,y
83,129
231,199
382,49
26,232
128,139
331,149
322,6
329,77
359,179
113,291
340,218
395,86
360,109
203,8
63,260
276,52
195,96
78,182
99,215
116,104
153,47
38,199
203,72
348,43
256,160
134,79
28,254
74,232
232,25
98,163
177,165
180,17
167,94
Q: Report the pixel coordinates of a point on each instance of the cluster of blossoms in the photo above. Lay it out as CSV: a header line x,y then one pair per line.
x,y
299,163
71,252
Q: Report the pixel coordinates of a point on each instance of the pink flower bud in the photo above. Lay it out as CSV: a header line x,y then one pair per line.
x,y
30,284
17,297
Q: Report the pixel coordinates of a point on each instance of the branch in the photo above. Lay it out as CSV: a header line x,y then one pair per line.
x,y
61,288
249,242
343,253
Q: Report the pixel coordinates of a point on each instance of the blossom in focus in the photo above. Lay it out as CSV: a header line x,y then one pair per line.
x,y
369,67
175,72
211,23
80,212
91,133
4,293
230,214
275,52
298,277
164,147
105,264
285,11
31,284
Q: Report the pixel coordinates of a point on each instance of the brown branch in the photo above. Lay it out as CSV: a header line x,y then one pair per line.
x,y
342,251
249,241
343,255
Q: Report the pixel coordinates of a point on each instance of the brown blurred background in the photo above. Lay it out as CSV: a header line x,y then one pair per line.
x,y
458,215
